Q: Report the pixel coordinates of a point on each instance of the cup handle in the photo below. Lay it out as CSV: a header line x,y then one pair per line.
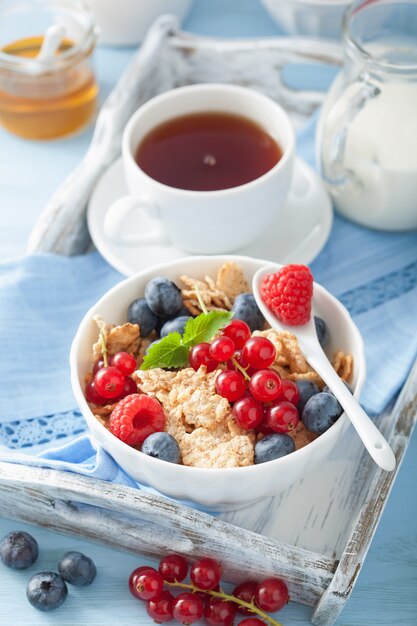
x,y
118,213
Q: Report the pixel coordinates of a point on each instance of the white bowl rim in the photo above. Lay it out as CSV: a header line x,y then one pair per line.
x,y
199,471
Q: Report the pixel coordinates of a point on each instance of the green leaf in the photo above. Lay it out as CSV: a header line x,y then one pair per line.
x,y
205,326
167,353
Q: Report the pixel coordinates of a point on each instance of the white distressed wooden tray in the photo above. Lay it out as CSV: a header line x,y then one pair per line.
x,y
315,535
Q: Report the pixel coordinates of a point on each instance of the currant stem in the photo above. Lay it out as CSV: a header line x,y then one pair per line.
x,y
225,596
103,348
200,299
240,368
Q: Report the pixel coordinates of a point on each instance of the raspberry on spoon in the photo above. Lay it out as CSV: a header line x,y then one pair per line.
x,y
288,294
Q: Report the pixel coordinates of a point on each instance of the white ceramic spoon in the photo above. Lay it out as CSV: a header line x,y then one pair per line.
x,y
371,438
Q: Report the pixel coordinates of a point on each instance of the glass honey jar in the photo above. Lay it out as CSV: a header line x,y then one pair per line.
x,y
47,83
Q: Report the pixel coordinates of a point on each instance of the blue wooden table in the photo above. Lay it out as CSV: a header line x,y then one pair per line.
x,y
386,591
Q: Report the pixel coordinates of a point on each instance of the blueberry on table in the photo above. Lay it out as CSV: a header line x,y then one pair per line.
x,y
162,446
321,412
273,447
246,309
163,297
18,550
77,569
175,325
307,390
139,313
321,330
46,591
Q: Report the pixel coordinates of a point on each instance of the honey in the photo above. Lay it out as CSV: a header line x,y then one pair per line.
x,y
46,96
66,104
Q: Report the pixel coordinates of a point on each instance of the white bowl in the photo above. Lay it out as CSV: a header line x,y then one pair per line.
x,y
315,18
126,22
217,489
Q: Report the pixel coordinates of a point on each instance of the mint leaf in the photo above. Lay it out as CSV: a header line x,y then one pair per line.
x,y
205,326
167,353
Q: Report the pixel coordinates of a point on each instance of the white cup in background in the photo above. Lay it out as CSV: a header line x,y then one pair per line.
x,y
204,222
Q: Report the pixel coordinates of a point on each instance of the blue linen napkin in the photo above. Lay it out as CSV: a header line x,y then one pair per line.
x,y
43,298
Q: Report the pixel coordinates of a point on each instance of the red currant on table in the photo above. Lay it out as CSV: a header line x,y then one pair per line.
x,y
206,573
125,363
271,595
246,592
188,608
238,331
252,621
219,612
230,385
92,394
133,579
281,417
265,385
259,352
148,583
109,382
248,412
161,608
200,355
173,568
222,349
290,391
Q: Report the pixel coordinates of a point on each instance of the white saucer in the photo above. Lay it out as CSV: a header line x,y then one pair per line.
x,y
297,236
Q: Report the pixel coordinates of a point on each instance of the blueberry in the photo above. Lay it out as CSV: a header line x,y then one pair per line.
x,y
163,297
139,313
46,591
327,390
322,331
175,325
273,447
307,389
162,446
77,569
246,309
321,412
18,550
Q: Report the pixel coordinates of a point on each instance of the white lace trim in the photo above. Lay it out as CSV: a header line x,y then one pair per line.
x,y
42,430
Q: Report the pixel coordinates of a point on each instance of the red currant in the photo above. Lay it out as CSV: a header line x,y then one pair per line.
x,y
133,579
206,573
271,595
188,608
230,385
265,385
129,387
200,355
245,591
238,331
281,417
219,612
290,391
222,349
98,365
248,412
109,382
252,621
148,584
125,363
173,568
92,394
161,608
259,352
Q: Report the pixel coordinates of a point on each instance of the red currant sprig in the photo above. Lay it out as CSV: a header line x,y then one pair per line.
x,y
202,596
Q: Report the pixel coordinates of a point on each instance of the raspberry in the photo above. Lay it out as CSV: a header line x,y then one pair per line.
x,y
288,294
136,417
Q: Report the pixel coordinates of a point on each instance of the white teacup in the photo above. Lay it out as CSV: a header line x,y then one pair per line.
x,y
203,222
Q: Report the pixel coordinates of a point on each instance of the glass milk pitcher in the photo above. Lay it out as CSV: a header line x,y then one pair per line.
x,y
367,131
